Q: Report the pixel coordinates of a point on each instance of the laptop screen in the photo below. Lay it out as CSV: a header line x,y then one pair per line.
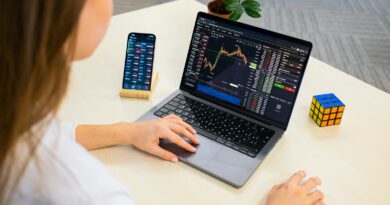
x,y
248,69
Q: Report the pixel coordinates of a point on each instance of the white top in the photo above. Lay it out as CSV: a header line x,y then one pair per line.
x,y
63,172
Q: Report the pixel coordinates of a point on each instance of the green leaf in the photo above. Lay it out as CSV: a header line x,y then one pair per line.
x,y
251,4
252,13
252,1
233,7
228,2
236,14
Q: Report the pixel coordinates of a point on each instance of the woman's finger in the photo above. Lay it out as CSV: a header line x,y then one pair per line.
x,y
316,195
311,183
187,126
171,116
296,178
183,131
275,187
162,153
180,121
320,202
176,139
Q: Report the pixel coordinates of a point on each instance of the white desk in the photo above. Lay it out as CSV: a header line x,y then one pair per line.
x,y
353,159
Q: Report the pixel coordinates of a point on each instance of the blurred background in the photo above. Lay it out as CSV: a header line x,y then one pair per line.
x,y
351,35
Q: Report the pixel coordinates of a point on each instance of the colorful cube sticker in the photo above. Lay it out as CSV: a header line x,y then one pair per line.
x,y
326,110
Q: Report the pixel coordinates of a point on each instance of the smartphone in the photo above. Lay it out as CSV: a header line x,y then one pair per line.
x,y
139,61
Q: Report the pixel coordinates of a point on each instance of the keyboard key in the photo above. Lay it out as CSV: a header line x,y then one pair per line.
x,y
252,154
173,103
221,140
236,147
164,110
229,143
159,113
244,149
170,107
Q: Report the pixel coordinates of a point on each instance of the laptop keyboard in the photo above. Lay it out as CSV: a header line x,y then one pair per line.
x,y
224,128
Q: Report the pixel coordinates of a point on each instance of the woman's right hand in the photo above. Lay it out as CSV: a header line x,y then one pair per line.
x,y
294,192
146,135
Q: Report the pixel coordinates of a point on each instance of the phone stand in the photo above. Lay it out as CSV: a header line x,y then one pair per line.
x,y
141,94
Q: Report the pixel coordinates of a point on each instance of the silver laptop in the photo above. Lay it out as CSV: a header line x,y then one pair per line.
x,y
238,91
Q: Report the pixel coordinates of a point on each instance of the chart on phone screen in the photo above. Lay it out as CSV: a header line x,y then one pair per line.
x,y
239,68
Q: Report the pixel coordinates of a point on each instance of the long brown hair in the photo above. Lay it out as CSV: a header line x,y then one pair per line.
x,y
35,58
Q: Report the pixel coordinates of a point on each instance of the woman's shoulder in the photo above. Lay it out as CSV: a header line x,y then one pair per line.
x,y
63,172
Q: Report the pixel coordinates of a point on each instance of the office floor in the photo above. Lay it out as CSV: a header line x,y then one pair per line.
x,y
351,35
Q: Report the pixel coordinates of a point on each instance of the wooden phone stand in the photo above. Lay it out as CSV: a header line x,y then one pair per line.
x,y
141,94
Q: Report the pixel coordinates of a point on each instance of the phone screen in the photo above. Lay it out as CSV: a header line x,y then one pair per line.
x,y
139,61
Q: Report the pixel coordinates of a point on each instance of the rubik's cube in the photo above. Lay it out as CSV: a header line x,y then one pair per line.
x,y
326,110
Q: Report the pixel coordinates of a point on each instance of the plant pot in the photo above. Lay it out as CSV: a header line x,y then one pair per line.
x,y
212,10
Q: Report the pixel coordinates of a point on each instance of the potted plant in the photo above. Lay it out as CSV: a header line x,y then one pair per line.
x,y
233,9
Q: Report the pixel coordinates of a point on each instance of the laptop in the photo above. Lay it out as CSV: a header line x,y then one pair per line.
x,y
238,91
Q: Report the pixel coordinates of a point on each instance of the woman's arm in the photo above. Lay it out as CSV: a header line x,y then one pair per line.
x,y
99,136
143,135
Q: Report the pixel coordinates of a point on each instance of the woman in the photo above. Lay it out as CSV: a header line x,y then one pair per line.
x,y
41,160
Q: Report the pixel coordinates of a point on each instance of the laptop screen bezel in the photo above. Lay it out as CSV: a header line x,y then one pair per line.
x,y
236,108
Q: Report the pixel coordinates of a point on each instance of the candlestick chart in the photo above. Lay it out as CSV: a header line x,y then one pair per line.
x,y
226,65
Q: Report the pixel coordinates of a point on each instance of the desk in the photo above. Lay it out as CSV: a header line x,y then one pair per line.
x,y
353,159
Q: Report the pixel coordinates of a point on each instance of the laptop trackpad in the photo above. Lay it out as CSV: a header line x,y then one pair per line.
x,y
205,151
